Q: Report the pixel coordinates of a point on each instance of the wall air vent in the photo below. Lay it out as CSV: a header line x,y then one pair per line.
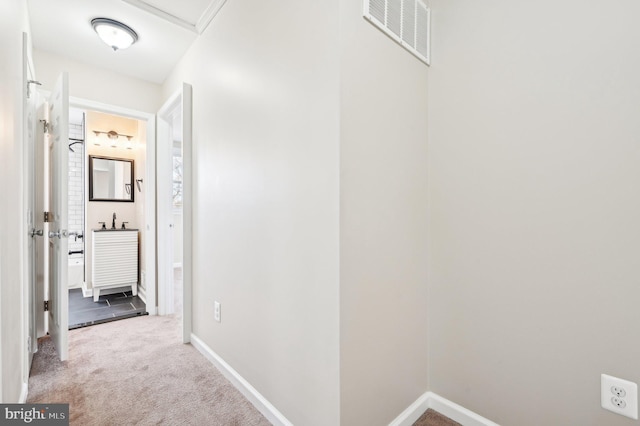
x,y
405,21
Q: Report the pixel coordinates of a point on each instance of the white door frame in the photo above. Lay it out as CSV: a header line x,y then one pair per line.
x,y
181,99
164,205
149,186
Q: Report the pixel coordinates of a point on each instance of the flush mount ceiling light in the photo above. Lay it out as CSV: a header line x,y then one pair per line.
x,y
116,34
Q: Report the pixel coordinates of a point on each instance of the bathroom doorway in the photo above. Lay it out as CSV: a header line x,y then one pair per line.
x,y
114,139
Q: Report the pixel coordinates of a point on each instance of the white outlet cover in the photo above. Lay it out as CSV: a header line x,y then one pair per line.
x,y
216,311
631,397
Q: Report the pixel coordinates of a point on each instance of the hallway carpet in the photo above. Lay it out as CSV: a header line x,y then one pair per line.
x,y
433,418
137,372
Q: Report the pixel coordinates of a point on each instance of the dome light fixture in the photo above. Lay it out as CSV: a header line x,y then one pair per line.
x,y
116,34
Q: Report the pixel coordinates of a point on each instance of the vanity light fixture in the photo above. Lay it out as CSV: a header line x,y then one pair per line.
x,y
116,34
113,136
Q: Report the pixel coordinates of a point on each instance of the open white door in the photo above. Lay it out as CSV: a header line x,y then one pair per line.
x,y
57,145
29,289
174,125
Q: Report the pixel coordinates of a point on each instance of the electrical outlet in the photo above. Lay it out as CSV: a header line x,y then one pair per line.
x,y
619,396
618,391
618,402
216,311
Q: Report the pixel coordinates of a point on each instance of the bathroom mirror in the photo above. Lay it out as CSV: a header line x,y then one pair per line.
x,y
110,179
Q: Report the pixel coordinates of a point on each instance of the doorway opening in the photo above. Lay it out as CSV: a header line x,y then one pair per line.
x,y
100,193
174,208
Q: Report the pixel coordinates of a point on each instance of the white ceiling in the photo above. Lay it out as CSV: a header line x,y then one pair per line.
x,y
166,29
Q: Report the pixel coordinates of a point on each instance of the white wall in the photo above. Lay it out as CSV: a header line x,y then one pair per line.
x,y
265,134
87,82
13,333
383,210
534,181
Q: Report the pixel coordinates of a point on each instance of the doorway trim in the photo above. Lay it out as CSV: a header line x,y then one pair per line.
x,y
149,187
181,99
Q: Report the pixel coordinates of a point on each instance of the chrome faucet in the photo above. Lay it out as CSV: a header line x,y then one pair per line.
x,y
113,224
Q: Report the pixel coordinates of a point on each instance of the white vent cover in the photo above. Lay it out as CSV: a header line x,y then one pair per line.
x,y
405,21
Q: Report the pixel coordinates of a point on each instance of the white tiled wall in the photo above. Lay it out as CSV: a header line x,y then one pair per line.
x,y
76,188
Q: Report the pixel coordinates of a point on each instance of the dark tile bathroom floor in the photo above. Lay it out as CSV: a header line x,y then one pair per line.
x,y
83,311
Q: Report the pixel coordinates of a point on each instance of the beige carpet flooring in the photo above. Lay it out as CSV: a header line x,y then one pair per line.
x,y
433,418
137,372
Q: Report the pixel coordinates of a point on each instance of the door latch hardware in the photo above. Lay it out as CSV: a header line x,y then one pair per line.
x,y
46,305
60,233
46,217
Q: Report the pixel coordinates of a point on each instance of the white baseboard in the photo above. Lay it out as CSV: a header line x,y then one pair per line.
x,y
23,393
443,406
412,412
428,400
260,402
142,294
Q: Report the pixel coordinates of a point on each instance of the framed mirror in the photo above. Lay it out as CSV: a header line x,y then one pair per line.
x,y
110,179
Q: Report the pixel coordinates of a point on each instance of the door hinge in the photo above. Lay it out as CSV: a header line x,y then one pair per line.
x,y
46,305
45,126
46,216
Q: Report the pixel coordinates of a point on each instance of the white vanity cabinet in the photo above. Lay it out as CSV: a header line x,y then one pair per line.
x,y
115,260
